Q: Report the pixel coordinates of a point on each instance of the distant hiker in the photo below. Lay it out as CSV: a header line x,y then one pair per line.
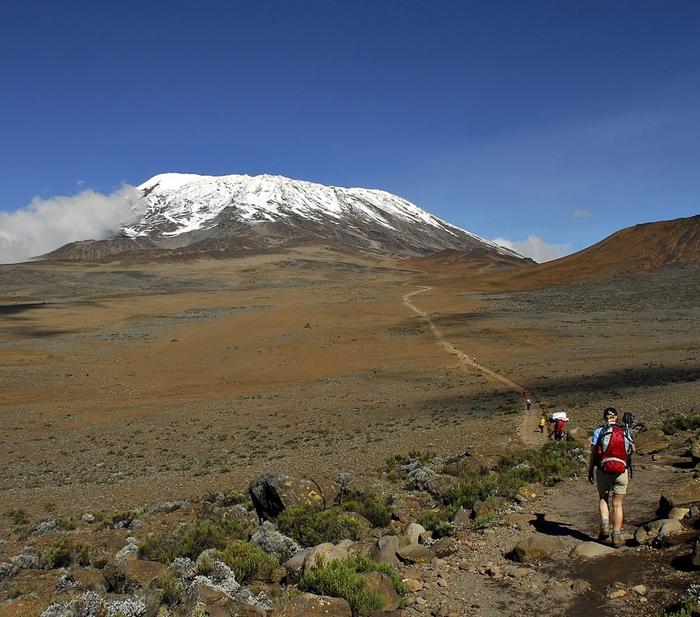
x,y
559,421
543,423
611,448
528,402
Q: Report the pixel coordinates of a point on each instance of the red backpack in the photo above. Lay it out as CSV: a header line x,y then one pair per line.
x,y
612,449
559,428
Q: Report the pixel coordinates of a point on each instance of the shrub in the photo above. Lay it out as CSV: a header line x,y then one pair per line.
x,y
205,564
375,508
248,561
192,540
310,527
171,590
549,465
436,522
18,516
680,422
63,552
122,518
341,579
233,498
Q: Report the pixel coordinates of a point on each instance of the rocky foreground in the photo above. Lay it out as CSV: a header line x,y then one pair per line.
x,y
431,537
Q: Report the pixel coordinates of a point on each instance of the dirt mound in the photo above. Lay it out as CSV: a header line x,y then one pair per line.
x,y
643,249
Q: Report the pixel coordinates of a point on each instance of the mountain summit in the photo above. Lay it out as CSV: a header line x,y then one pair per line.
x,y
267,211
187,214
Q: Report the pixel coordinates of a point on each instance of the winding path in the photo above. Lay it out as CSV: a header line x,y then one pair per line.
x,y
529,419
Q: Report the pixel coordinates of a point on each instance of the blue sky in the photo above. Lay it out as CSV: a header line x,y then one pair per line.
x,y
561,120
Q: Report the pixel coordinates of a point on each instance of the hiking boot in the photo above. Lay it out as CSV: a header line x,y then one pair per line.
x,y
616,539
604,533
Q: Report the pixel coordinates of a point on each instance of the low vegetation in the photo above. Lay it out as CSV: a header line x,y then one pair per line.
x,y
62,553
309,526
192,540
248,561
342,579
436,521
681,422
375,508
555,461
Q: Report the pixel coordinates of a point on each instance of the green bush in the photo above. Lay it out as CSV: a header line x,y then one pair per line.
x,y
125,517
310,527
556,460
341,579
681,422
193,539
205,564
375,508
248,561
436,522
233,498
62,552
170,589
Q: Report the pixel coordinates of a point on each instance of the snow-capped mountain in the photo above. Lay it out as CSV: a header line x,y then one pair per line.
x,y
267,211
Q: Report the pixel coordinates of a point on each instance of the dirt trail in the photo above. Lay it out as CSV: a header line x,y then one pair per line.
x,y
527,432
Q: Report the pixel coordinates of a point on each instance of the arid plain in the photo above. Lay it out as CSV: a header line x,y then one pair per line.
x,y
127,384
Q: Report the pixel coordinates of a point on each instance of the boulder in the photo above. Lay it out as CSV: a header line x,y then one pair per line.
x,y
695,451
326,552
534,547
273,542
519,521
682,495
127,575
678,514
655,529
413,533
273,493
310,605
381,584
415,553
591,550
413,585
652,441
385,550
294,567
480,509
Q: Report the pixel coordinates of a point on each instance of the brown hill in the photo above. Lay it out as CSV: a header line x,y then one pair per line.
x,y
647,248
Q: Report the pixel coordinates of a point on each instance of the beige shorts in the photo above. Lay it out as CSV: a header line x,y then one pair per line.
x,y
610,482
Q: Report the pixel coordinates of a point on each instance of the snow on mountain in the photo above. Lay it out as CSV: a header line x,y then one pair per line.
x,y
183,209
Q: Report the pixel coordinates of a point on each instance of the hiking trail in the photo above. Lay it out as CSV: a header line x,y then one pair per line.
x,y
528,432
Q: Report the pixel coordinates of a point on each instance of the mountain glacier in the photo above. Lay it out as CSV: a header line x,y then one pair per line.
x,y
265,211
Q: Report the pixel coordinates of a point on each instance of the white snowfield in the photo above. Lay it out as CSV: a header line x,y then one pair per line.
x,y
190,202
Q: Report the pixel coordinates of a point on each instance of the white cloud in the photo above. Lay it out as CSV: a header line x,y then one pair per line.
x,y
46,224
579,213
536,248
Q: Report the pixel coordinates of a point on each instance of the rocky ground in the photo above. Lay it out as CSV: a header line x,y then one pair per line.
x,y
129,387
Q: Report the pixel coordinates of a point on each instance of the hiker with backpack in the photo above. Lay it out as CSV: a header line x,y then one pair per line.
x,y
559,420
611,450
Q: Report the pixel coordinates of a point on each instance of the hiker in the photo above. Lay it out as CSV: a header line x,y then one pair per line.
x,y
528,402
543,423
559,419
611,447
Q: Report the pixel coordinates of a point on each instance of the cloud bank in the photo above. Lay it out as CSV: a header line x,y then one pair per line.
x,y
536,248
46,224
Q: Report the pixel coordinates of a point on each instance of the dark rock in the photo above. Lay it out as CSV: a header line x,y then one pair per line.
x,y
385,550
273,493
415,553
380,583
535,546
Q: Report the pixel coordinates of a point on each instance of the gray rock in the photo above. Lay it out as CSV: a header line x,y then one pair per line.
x,y
87,605
591,550
385,550
46,527
273,493
535,546
655,530
88,518
273,542
66,581
168,506
461,516
413,533
415,553
28,558
684,494
310,605
130,607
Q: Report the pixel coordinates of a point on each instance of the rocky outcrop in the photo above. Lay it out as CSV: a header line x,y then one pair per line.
x,y
310,605
275,543
683,494
273,493
664,527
